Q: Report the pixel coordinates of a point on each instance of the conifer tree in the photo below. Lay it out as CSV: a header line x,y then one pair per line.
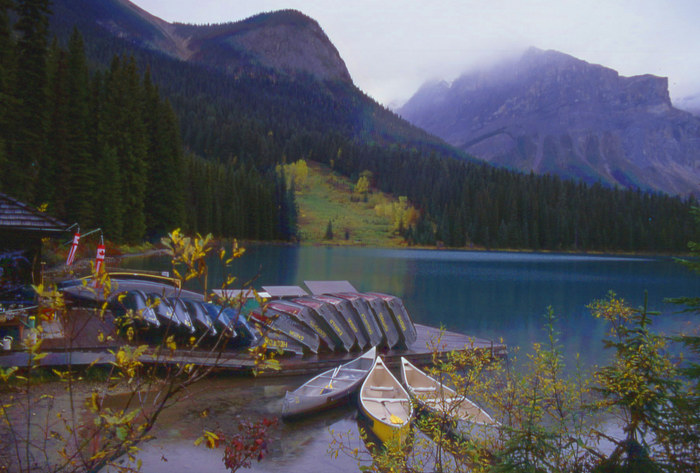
x,y
82,177
124,131
165,195
7,68
329,231
28,150
54,175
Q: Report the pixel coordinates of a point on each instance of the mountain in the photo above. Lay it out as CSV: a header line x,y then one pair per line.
x,y
243,110
689,104
276,66
286,40
549,112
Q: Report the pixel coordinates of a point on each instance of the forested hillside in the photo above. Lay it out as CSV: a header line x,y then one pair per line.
x,y
103,149
234,129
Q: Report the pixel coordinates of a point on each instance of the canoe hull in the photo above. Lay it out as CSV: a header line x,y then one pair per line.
x,y
384,431
386,404
330,388
433,396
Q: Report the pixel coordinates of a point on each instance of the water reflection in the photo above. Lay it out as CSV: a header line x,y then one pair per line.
x,y
295,446
485,294
489,295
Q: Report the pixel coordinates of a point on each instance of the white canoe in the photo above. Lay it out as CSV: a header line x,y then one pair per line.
x,y
330,387
433,395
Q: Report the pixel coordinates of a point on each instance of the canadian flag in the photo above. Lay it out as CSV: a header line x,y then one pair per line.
x,y
99,261
73,249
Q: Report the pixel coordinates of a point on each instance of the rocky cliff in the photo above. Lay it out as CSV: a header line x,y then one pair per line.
x,y
552,113
287,41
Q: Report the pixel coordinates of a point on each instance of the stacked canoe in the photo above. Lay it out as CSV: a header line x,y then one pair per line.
x,y
334,317
160,307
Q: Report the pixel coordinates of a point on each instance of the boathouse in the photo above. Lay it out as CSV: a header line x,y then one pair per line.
x,y
22,228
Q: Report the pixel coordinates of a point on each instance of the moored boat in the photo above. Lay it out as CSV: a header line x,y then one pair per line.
x,y
275,341
369,321
328,388
308,317
347,312
432,395
383,316
288,325
386,404
337,324
401,318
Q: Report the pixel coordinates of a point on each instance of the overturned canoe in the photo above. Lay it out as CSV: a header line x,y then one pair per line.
x,y
308,317
338,326
386,322
288,325
369,321
401,318
347,312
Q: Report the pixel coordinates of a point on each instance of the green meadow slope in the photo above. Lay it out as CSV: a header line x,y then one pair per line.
x,y
327,196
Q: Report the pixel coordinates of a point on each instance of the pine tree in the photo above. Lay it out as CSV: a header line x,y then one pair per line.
x,y
329,231
82,177
54,175
124,131
165,195
28,154
7,69
109,210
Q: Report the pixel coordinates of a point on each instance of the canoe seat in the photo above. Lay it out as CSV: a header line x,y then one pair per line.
x,y
426,389
381,388
384,399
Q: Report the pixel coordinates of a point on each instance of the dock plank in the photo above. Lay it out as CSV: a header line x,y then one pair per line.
x,y
80,347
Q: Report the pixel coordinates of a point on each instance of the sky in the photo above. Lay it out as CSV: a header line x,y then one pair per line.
x,y
392,47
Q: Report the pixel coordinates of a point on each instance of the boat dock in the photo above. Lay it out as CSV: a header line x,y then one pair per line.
x,y
80,352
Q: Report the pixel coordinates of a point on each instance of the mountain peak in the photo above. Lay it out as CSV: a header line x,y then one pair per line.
x,y
285,40
549,112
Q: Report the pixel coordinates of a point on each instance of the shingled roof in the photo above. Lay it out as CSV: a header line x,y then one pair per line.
x,y
16,215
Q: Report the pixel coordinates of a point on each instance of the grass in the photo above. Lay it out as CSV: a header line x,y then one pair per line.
x,y
327,196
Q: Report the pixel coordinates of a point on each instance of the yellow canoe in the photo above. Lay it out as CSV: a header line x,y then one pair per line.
x,y
386,404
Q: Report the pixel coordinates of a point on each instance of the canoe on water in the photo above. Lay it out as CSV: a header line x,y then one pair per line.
x,y
386,404
328,388
434,396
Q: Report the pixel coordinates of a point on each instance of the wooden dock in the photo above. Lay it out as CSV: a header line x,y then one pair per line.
x,y
429,339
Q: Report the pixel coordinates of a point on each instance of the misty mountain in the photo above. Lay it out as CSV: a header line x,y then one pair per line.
x,y
689,104
549,112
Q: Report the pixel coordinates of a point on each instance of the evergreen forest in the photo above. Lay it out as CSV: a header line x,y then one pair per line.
x,y
100,147
111,134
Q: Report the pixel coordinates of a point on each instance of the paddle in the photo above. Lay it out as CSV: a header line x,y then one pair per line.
x,y
392,417
329,386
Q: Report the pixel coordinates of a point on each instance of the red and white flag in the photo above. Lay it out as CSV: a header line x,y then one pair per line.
x,y
99,261
73,249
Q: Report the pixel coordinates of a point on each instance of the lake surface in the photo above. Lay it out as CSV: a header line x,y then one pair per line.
x,y
490,295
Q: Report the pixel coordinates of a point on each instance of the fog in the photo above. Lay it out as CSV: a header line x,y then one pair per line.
x,y
391,48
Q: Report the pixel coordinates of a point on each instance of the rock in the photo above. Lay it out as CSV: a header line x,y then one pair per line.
x,y
549,112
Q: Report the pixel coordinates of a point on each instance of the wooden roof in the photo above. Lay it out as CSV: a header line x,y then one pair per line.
x,y
16,215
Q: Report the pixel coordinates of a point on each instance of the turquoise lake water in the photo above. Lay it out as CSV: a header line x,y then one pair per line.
x,y
485,294
489,295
